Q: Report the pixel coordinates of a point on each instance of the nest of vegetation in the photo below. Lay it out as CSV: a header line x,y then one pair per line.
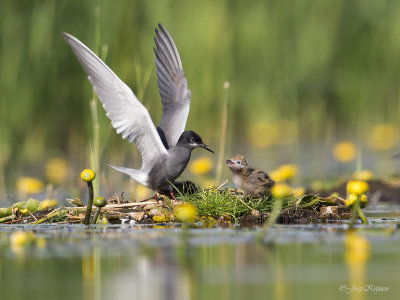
x,y
213,207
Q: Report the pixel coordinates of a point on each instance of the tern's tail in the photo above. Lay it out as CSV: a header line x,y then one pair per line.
x,y
137,175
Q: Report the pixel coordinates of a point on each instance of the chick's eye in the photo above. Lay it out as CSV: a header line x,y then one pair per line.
x,y
238,162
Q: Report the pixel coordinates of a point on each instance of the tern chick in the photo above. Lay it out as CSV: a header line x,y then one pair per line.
x,y
253,182
166,150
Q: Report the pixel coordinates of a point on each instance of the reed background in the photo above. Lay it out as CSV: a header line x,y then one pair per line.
x,y
304,75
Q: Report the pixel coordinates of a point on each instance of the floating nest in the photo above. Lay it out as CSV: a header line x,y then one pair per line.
x,y
309,208
215,207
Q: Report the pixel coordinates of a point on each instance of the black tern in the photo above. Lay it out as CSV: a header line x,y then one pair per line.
x,y
165,150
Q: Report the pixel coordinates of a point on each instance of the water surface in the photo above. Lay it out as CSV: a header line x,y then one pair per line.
x,y
163,262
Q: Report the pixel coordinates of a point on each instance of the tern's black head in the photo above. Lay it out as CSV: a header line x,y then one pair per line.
x,y
192,140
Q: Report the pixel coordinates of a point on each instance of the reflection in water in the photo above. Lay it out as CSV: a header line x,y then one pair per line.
x,y
357,254
91,275
128,262
88,272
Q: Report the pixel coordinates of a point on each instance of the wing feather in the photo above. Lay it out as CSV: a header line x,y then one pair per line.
x,y
172,84
127,114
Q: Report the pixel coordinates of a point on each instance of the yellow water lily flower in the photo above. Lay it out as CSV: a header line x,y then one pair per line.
x,y
345,151
208,183
56,170
48,203
142,192
263,134
382,137
364,175
281,190
299,191
201,166
284,172
357,187
185,213
29,185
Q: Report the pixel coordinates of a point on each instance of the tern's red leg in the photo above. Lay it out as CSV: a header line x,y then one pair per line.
x,y
173,196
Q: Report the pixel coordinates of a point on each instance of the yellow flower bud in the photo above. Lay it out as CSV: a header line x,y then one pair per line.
x,y
88,175
100,202
363,201
103,221
350,201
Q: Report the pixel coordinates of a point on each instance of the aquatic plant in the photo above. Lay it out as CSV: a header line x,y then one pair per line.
x,y
88,176
99,202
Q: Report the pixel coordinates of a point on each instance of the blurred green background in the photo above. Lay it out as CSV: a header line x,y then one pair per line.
x,y
304,75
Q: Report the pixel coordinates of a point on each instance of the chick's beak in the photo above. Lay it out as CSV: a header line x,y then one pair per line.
x,y
206,147
228,161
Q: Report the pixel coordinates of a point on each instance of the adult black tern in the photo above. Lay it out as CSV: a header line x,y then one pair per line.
x,y
166,150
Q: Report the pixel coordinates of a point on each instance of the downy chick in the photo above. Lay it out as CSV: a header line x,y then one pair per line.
x,y
253,182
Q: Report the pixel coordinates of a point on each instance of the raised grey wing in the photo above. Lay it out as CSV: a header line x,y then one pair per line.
x,y
128,116
172,84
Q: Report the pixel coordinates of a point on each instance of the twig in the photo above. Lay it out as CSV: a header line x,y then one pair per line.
x,y
32,215
221,185
127,205
244,203
50,215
